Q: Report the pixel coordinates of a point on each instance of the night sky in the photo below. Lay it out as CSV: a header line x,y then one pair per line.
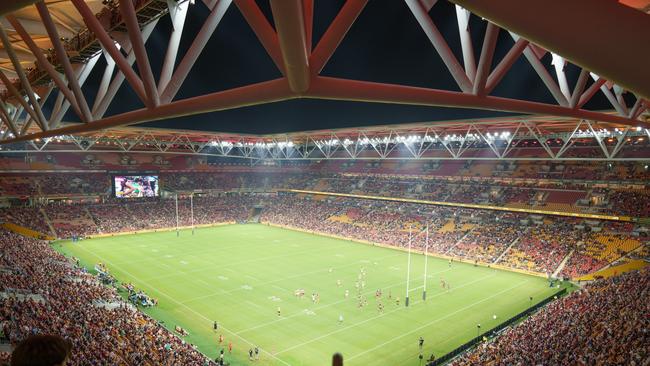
x,y
385,44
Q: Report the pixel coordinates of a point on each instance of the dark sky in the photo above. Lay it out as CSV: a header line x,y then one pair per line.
x,y
385,44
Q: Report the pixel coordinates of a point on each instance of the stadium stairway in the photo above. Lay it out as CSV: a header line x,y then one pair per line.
x,y
514,242
458,242
563,263
615,270
21,230
48,222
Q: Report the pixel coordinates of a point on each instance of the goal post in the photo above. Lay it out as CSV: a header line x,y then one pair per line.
x,y
426,262
408,267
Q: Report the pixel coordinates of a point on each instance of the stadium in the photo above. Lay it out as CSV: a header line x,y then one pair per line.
x,y
330,182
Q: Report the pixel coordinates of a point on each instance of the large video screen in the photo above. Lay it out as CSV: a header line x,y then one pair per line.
x,y
133,186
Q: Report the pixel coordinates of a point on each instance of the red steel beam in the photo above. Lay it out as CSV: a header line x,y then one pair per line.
x,y
308,14
12,89
334,34
44,64
52,32
574,30
590,92
290,24
198,44
109,45
440,44
260,93
135,35
505,64
263,30
364,91
485,61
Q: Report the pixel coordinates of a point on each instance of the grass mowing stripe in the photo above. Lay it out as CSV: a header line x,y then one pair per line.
x,y
187,307
437,320
376,317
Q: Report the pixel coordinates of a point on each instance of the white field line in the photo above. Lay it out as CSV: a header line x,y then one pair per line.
x,y
282,288
375,317
187,307
261,259
256,305
437,320
324,306
200,251
276,280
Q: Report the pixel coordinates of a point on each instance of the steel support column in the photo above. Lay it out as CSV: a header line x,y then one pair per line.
x,y
45,64
194,51
117,81
109,45
12,89
178,22
485,62
135,35
439,43
263,30
334,34
28,121
65,62
579,88
290,24
106,79
39,117
505,64
469,62
82,74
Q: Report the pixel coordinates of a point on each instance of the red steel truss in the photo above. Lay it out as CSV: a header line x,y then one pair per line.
x,y
287,45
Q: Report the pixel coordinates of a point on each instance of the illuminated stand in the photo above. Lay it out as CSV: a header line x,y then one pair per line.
x,y
192,211
408,270
426,262
176,199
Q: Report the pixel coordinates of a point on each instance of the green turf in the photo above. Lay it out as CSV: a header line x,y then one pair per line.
x,y
239,275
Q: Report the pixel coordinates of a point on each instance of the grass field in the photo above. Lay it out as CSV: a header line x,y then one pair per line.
x,y
240,274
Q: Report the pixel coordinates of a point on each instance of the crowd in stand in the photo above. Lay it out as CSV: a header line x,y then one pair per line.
x,y
150,214
510,239
29,217
46,293
432,186
51,294
605,323
477,235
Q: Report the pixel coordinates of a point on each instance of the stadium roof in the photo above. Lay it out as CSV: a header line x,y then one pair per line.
x,y
250,68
